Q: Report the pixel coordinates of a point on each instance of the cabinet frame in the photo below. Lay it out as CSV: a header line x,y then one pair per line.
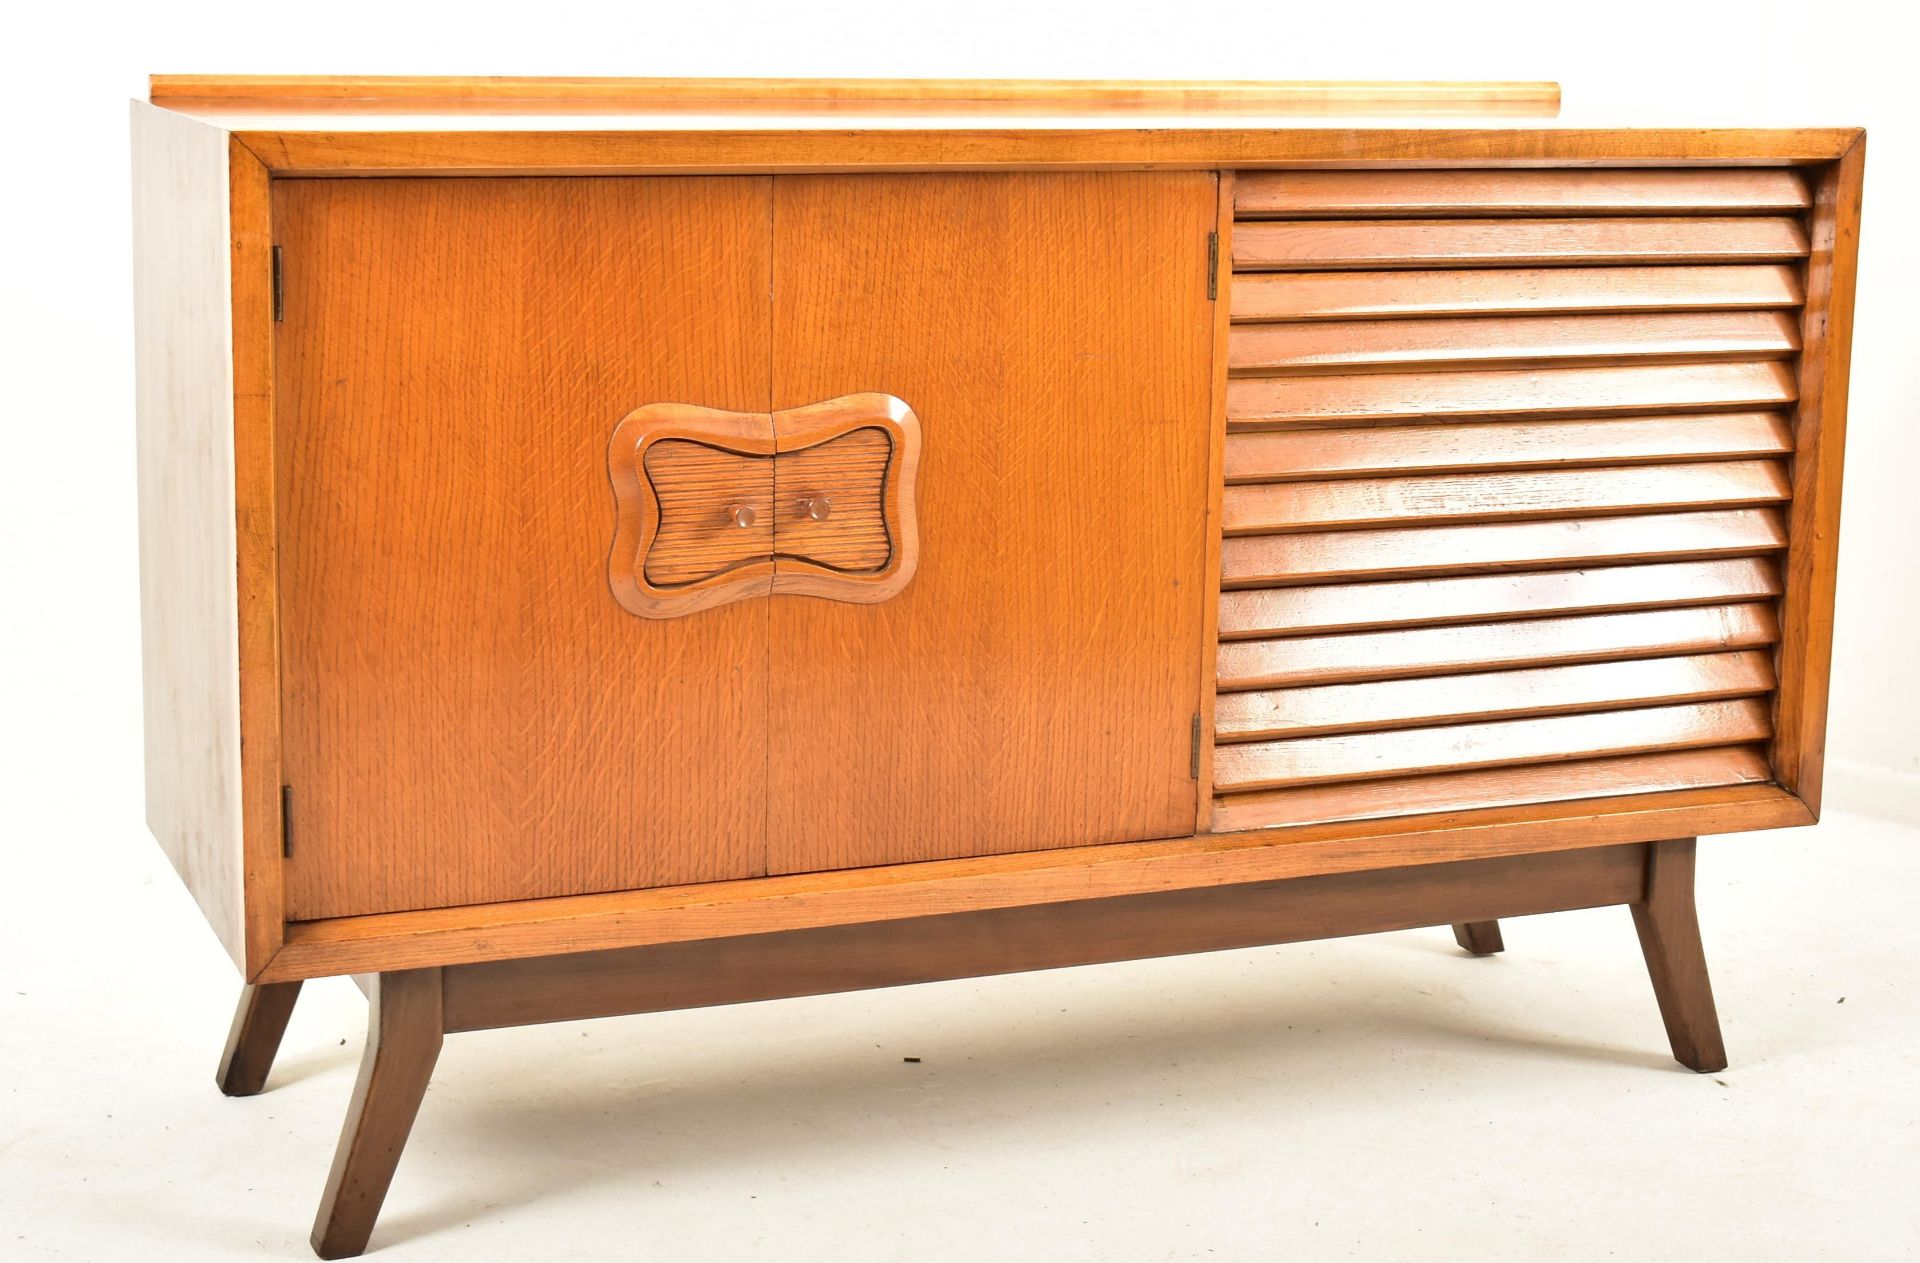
x,y
238,879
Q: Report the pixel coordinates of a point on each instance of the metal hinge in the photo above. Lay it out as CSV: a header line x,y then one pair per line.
x,y
286,822
1213,266
279,288
1193,749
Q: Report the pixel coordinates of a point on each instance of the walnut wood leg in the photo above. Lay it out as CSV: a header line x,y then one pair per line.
x,y
258,1024
1670,937
404,1033
1482,938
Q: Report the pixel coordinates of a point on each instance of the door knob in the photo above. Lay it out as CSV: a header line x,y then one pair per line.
x,y
819,508
741,515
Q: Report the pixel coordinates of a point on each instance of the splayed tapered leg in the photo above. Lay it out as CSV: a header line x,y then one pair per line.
x,y
258,1025
404,1035
1482,938
1670,936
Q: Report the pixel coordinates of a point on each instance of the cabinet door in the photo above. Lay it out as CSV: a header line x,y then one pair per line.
x,y
1035,684
469,714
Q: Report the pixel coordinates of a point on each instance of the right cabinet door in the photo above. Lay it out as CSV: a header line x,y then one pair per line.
x,y
1035,684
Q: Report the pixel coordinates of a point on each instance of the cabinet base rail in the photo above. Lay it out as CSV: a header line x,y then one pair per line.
x,y
413,1010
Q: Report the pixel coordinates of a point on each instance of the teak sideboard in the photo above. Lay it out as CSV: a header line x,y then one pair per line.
x,y
667,543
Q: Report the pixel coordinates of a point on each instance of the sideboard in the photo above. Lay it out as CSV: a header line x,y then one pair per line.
x,y
668,543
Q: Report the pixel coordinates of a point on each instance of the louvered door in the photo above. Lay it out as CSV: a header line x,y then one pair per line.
x,y
1506,474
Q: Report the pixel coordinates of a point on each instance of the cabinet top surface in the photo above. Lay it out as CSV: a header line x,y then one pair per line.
x,y
335,125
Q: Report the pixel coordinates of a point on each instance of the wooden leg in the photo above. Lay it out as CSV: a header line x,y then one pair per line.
x,y
404,1033
1670,937
1482,938
258,1025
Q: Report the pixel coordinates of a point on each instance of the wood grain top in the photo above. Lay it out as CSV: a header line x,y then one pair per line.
x,y
506,93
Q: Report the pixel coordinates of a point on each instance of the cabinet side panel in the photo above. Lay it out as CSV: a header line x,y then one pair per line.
x,y
184,400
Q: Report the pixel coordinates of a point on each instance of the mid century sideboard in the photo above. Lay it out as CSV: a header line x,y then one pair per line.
x,y
669,543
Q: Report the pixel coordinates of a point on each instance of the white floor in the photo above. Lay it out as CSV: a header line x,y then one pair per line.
x,y
1381,1098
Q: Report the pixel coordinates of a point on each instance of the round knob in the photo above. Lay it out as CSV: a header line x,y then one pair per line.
x,y
819,508
741,515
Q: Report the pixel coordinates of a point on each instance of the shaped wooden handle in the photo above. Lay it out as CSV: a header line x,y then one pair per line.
x,y
689,484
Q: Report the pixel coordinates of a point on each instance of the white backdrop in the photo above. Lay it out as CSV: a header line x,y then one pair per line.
x,y
69,662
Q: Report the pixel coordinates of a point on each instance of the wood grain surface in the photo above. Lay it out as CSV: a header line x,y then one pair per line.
x,y
1343,346
470,716
1359,756
1301,245
1264,402
1493,788
697,488
1387,194
1034,685
1286,507
1422,650
1510,291
1335,607
1289,455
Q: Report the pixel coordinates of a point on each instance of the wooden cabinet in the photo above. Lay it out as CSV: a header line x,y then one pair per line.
x,y
634,562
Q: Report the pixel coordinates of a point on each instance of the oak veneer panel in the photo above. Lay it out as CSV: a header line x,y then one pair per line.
x,y
1541,690
1511,291
1304,245
1479,598
470,716
1034,685
1359,756
1491,788
1254,402
1259,560
189,603
695,486
1314,506
1341,345
1466,647
1291,455
1387,194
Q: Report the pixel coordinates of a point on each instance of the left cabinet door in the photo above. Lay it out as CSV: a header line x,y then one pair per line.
x,y
469,715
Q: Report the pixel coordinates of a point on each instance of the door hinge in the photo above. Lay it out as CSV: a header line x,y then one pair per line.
x,y
1193,749
1213,266
279,288
286,822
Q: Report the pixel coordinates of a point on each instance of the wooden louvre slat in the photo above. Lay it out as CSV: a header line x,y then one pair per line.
x,y
1312,506
1358,756
1252,664
1271,713
1499,787
1277,455
1316,245
1509,291
1291,194
1257,402
1267,560
1340,345
1480,598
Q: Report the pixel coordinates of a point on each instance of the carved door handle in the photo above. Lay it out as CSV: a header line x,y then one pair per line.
x,y
678,470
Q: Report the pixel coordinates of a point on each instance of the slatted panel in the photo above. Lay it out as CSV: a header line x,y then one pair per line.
x,y
1322,245
1469,646
1322,194
1335,607
1286,455
1370,755
1273,508
1344,345
1500,787
1540,690
1509,291
1506,469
